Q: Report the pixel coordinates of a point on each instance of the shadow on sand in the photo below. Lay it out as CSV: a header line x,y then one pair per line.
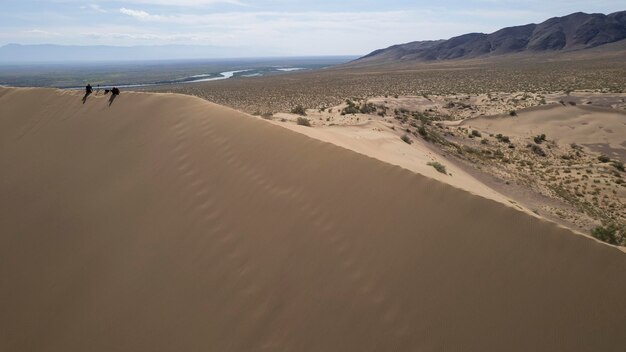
x,y
85,97
113,96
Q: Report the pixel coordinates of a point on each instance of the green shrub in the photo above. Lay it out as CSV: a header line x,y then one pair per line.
x,y
350,110
303,122
439,167
422,131
609,234
299,110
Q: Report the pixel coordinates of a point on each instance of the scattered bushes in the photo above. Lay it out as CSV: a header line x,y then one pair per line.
x,y
350,109
367,108
302,121
618,165
267,115
405,138
540,138
476,133
609,234
438,166
604,159
503,139
299,110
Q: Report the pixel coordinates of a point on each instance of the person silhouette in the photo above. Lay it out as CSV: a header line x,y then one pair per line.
x,y
88,91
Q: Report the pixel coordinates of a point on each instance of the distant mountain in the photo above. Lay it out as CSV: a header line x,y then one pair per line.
x,y
16,53
573,32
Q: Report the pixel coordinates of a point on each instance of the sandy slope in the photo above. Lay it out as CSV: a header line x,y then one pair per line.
x,y
374,139
166,223
583,125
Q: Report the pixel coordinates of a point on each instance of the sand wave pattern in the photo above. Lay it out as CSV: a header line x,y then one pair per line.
x,y
167,223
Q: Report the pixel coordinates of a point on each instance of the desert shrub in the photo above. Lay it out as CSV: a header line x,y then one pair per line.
x,y
267,115
302,121
503,139
476,133
367,108
422,131
256,113
609,234
471,150
537,150
618,165
484,141
405,138
299,110
572,103
350,109
604,159
540,138
439,167
512,113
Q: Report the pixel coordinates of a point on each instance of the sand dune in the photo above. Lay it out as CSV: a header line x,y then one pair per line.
x,y
583,125
167,223
374,139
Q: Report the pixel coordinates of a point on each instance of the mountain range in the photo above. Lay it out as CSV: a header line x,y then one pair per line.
x,y
577,31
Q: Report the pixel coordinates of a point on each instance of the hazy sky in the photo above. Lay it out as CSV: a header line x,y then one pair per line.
x,y
289,27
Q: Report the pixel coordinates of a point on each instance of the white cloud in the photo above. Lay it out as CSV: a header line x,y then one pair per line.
x,y
185,3
139,14
41,32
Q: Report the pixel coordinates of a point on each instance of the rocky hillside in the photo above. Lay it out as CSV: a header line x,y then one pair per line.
x,y
573,32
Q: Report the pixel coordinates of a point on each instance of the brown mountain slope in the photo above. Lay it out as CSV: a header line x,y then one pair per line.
x,y
573,32
167,223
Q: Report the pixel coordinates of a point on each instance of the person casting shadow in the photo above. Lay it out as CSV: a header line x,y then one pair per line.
x,y
114,93
88,91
